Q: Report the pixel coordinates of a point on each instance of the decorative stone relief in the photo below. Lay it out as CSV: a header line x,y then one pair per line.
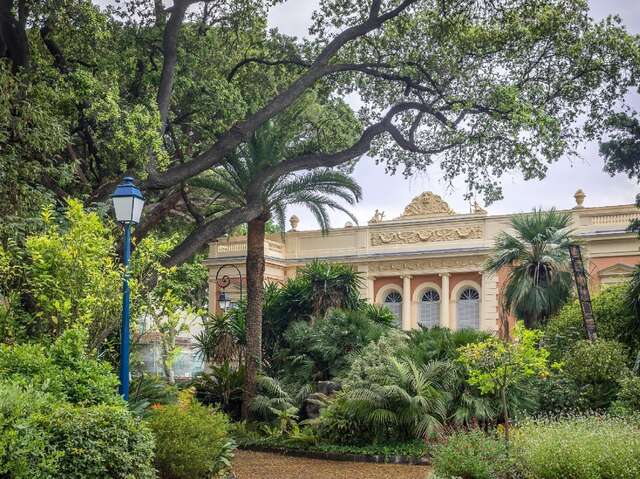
x,y
428,204
430,264
426,235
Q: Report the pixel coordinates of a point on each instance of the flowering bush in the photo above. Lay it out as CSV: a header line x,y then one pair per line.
x,y
471,455
593,447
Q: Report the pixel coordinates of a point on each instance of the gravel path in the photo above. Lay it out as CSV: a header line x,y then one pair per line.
x,y
262,465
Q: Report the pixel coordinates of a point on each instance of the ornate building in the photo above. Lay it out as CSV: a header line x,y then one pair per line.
x,y
427,265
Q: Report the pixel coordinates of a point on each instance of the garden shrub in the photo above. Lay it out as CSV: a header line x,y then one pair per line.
x,y
615,320
41,438
319,351
101,441
628,400
596,367
577,448
470,455
192,440
64,369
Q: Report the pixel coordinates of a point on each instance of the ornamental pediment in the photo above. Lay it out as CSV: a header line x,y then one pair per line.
x,y
426,235
427,204
618,269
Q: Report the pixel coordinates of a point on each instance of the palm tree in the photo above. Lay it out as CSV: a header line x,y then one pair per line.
x,y
539,280
317,190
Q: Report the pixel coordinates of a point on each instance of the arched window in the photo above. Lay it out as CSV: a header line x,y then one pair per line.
x,y
430,309
468,310
393,301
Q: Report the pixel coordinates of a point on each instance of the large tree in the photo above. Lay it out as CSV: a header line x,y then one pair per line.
x,y
482,87
317,190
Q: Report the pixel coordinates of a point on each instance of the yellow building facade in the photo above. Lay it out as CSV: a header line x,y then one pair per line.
x,y
427,264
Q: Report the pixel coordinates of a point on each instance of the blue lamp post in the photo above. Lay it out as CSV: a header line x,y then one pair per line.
x,y
127,203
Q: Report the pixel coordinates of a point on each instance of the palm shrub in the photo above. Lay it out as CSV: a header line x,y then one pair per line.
x,y
331,285
234,185
223,338
537,259
320,351
221,386
409,403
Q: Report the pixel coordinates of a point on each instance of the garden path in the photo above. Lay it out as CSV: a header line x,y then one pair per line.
x,y
261,465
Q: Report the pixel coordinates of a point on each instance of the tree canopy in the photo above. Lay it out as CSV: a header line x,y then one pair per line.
x,y
479,87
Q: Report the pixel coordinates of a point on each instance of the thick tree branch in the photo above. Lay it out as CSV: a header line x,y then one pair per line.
x,y
264,61
241,131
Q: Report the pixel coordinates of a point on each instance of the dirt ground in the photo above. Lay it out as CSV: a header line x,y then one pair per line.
x,y
261,465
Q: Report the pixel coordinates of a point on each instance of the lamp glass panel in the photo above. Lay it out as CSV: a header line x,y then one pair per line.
x,y
137,210
123,208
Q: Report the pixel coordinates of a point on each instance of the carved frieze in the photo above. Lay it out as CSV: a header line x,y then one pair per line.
x,y
426,235
430,264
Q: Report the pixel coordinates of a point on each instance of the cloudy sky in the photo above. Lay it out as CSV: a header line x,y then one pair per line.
x,y
392,193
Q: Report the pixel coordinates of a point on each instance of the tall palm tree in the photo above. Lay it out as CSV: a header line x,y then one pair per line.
x,y
318,190
537,258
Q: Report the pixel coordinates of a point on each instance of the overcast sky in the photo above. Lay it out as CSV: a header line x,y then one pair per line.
x,y
392,193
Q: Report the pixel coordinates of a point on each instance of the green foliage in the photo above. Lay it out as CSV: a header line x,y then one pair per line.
x,y
90,297
223,337
99,441
496,366
318,351
622,149
410,402
597,367
429,344
192,440
615,321
222,387
331,285
628,399
539,280
65,370
470,455
580,448
41,437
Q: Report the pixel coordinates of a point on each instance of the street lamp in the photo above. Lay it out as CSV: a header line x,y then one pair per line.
x,y
224,299
127,204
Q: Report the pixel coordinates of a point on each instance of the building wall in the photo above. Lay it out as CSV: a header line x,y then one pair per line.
x,y
430,244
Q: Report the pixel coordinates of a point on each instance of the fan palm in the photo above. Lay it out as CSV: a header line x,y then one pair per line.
x,y
318,190
537,258
412,398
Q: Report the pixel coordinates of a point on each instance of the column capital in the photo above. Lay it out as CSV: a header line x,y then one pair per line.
x,y
444,275
406,276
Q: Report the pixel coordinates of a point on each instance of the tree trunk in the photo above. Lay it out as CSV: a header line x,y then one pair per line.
x,y
255,293
505,411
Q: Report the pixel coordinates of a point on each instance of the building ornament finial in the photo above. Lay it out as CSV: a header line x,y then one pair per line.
x,y
294,221
428,204
378,216
579,196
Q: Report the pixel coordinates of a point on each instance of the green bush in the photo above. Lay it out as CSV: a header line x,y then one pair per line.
x,y
192,440
578,448
320,351
629,395
64,370
615,320
596,367
470,455
42,438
